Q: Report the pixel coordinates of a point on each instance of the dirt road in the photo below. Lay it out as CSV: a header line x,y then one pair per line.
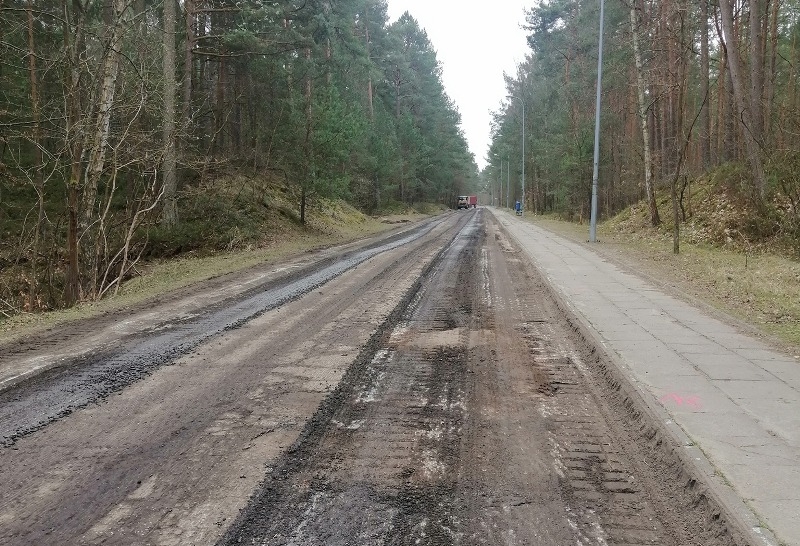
x,y
422,389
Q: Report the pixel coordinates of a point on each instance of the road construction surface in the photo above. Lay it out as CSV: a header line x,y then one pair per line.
x,y
420,388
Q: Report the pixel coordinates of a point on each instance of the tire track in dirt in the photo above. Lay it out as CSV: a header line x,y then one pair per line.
x,y
383,468
618,486
480,418
171,459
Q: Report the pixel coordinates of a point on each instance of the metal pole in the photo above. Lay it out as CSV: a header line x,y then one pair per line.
x,y
522,207
593,220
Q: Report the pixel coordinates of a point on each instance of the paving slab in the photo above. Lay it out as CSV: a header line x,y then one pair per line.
x,y
732,398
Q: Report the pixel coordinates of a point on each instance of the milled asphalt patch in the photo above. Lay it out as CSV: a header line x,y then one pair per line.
x,y
735,400
24,411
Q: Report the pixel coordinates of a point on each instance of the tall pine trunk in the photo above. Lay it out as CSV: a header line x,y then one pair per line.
x,y
743,104
772,53
188,69
73,39
307,144
640,91
705,113
38,175
370,105
169,215
757,50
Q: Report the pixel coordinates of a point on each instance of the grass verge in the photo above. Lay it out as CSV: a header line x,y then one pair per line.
x,y
760,289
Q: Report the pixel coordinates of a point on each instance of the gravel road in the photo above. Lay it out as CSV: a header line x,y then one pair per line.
x,y
420,388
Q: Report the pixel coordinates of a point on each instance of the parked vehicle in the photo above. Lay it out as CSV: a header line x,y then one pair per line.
x,y
467,201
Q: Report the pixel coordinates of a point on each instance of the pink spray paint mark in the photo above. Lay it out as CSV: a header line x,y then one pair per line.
x,y
693,402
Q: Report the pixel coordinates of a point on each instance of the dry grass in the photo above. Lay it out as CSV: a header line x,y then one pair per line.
x,y
759,289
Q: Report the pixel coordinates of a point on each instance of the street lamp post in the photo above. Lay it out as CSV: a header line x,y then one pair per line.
x,y
522,208
593,218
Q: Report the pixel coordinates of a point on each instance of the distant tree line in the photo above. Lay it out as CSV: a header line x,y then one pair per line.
x,y
110,109
689,87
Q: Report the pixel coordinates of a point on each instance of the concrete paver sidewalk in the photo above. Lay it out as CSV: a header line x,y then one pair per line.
x,y
733,397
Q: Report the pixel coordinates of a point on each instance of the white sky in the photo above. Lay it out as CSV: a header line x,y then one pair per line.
x,y
475,43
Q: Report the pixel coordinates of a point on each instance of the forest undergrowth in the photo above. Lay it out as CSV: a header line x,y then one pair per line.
x,y
226,225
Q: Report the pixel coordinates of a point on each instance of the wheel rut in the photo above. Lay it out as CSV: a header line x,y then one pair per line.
x,y
479,417
435,395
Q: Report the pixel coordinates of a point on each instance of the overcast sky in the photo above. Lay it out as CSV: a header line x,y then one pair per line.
x,y
475,42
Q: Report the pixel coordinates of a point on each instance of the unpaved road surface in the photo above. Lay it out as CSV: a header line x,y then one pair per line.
x,y
419,389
